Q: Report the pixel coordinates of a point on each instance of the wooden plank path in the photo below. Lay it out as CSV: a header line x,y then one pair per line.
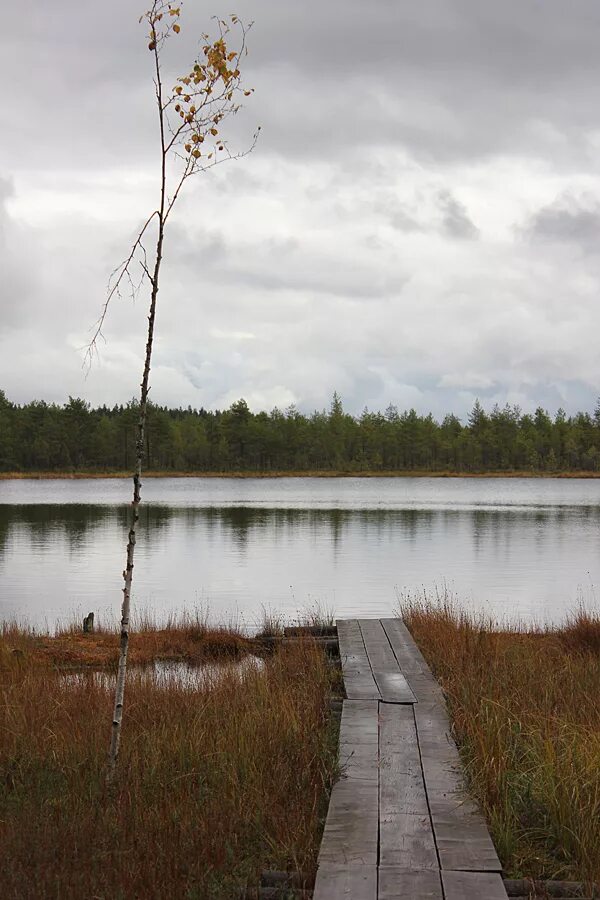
x,y
400,824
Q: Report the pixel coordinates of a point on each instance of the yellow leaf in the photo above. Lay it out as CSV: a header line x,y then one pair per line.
x,y
196,154
176,28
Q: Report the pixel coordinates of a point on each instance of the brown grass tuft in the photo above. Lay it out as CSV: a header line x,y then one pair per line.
x,y
186,639
214,784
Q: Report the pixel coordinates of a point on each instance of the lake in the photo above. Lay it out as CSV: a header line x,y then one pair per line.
x,y
514,547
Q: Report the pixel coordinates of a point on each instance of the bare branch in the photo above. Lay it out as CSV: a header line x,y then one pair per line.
x,y
122,271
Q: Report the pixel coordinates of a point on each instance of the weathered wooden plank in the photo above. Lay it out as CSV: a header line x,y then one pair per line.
x,y
464,844
351,829
350,834
412,846
473,886
347,882
405,830
396,883
406,651
433,720
412,662
425,688
393,687
461,834
388,676
359,739
356,669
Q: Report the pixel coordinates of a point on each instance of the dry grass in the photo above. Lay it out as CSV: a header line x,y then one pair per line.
x,y
524,704
187,638
214,785
314,616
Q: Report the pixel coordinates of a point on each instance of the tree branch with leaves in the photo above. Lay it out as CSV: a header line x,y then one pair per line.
x,y
191,117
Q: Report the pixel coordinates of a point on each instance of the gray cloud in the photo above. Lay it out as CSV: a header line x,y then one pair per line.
x,y
455,220
568,220
18,254
368,244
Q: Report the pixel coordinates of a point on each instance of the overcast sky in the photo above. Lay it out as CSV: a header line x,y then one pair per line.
x,y
419,223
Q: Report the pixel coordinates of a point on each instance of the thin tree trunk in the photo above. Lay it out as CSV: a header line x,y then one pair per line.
x,y
115,738
135,515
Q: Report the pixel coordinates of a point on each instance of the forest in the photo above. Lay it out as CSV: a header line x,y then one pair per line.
x,y
47,437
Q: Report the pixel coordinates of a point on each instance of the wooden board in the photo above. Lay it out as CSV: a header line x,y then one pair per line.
x,y
472,886
396,883
359,740
425,688
461,834
349,882
405,831
356,669
351,829
464,844
407,653
392,683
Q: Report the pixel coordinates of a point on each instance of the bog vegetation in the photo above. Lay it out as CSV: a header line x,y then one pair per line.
x,y
46,437
524,703
215,784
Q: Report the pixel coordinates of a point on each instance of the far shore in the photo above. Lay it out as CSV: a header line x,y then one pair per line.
x,y
5,476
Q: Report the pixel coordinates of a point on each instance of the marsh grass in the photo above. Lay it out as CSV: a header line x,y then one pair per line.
x,y
187,637
312,617
214,785
525,709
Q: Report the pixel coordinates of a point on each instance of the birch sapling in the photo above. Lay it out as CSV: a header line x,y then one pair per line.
x,y
190,120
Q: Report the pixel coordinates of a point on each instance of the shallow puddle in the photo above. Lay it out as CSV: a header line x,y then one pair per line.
x,y
167,673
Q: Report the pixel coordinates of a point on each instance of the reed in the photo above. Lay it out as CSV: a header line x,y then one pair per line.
x,y
215,784
524,707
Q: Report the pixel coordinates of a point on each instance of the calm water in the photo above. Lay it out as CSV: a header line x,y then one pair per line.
x,y
514,547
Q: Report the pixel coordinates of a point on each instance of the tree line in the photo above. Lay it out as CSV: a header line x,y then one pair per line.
x,y
41,436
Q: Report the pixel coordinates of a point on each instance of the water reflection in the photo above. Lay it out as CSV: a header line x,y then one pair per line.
x,y
242,524
166,674
508,557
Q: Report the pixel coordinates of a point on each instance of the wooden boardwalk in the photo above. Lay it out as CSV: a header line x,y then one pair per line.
x,y
399,823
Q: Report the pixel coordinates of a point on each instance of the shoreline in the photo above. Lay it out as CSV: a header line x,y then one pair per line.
x,y
59,476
